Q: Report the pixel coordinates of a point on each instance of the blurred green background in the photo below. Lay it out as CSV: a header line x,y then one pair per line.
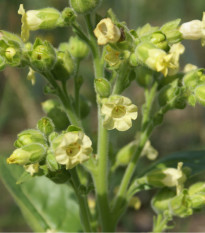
x,y
20,101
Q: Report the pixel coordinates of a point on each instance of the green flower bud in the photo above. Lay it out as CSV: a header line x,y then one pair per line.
x,y
159,40
199,187
68,15
52,136
133,60
64,66
144,76
85,106
160,202
28,137
51,162
54,111
167,94
84,6
181,205
8,36
77,48
198,200
45,125
125,154
200,94
28,154
102,87
193,78
43,56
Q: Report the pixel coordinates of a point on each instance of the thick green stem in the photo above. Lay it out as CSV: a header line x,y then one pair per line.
x,y
84,209
101,180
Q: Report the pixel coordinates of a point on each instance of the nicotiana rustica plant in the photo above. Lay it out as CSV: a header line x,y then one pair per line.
x,y
77,169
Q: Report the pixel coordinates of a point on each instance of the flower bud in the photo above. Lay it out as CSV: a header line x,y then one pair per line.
x,y
194,30
200,94
32,20
133,60
68,15
193,78
154,58
52,136
84,6
159,40
107,32
8,36
77,48
28,154
43,56
64,66
160,202
102,87
181,205
54,111
51,162
167,94
189,67
144,76
46,126
29,136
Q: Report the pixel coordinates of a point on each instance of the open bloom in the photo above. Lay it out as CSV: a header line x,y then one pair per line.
x,y
72,148
194,30
107,32
119,112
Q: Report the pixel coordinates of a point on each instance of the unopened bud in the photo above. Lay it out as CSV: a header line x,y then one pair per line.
x,y
64,66
45,125
68,16
30,136
28,154
200,94
84,6
77,48
102,87
159,40
51,161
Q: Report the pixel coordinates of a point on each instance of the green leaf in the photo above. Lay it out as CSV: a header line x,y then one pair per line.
x,y
195,160
44,204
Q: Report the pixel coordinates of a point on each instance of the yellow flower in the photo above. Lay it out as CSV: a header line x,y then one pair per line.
x,y
119,112
107,32
176,50
112,57
30,22
160,61
32,168
72,148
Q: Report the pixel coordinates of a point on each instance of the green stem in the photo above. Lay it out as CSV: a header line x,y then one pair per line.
x,y
101,179
84,209
64,99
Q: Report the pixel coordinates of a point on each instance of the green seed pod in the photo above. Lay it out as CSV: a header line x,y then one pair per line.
x,y
28,137
46,126
144,76
64,66
200,94
160,202
28,154
77,48
43,56
51,162
84,6
102,87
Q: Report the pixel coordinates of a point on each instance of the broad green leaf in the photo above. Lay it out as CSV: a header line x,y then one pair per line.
x,y
195,160
44,204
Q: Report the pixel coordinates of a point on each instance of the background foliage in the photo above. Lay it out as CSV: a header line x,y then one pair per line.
x,y
20,102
